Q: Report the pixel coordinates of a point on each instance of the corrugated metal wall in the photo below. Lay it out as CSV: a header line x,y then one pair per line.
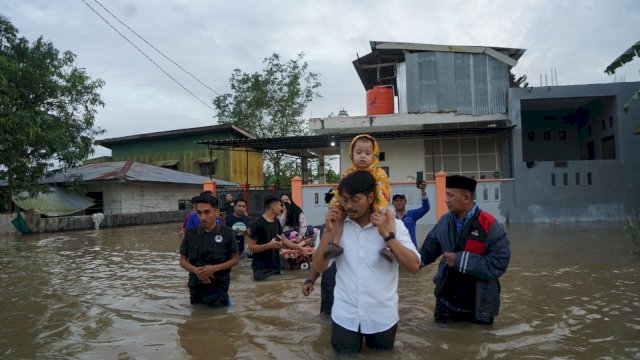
x,y
230,165
401,80
471,84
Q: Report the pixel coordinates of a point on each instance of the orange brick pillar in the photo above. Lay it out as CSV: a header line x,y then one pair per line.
x,y
296,190
441,184
211,186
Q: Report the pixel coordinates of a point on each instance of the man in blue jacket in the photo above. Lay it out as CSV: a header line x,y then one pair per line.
x,y
475,253
411,217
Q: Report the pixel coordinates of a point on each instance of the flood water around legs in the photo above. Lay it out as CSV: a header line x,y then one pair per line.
x,y
572,291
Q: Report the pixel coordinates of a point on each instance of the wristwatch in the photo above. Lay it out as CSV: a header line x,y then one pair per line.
x,y
308,281
389,237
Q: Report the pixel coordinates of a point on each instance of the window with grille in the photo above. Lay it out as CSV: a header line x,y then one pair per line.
x,y
208,168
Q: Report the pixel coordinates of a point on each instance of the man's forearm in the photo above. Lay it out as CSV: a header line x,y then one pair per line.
x,y
255,248
235,259
290,244
186,265
405,257
313,274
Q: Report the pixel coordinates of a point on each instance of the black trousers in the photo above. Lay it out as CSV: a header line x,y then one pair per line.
x,y
326,289
442,314
260,274
347,341
209,295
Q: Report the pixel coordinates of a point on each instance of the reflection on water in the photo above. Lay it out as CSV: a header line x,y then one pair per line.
x,y
571,292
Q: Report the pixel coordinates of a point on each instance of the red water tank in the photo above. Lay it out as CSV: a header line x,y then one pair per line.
x,y
380,100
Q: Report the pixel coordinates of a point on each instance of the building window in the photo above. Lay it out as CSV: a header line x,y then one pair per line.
x,y
184,204
553,179
565,179
562,135
381,156
609,147
547,135
386,170
208,168
577,178
604,125
610,121
589,178
531,136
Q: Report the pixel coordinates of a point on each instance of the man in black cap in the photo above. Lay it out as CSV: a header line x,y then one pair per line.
x,y
475,253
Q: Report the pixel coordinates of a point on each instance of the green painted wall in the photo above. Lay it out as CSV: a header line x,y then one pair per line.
x,y
184,149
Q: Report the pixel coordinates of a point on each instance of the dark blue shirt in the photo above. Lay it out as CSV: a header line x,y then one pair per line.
x,y
460,223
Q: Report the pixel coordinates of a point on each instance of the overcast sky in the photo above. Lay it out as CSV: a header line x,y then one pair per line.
x,y
211,38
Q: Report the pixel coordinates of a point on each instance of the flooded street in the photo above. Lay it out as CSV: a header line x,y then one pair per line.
x,y
572,291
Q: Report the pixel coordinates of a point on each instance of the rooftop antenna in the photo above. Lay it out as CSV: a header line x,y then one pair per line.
x,y
555,70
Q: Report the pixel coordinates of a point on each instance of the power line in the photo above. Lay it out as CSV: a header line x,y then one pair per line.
x,y
147,56
156,49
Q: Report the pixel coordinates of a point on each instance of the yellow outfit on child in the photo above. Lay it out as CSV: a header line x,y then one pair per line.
x,y
382,191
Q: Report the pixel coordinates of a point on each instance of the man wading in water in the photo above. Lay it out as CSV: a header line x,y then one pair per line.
x,y
366,292
265,239
208,252
475,253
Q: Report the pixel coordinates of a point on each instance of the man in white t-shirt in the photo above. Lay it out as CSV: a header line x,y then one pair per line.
x,y
366,293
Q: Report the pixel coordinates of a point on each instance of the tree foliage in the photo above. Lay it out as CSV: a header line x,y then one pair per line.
x,y
625,57
517,82
47,110
270,103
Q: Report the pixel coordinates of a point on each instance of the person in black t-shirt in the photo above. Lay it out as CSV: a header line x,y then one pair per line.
x,y
265,239
208,252
239,222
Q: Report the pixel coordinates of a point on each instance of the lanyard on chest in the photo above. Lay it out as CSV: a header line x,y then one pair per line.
x,y
460,238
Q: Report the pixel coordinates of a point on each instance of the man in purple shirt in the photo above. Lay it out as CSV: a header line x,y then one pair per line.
x,y
411,217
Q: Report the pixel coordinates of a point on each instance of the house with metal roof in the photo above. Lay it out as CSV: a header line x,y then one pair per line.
x,y
127,187
178,150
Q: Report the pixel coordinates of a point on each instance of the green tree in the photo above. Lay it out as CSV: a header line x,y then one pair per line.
x,y
47,111
270,103
288,169
517,82
625,57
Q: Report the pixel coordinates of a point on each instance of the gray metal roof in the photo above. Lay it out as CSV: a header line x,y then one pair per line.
x,y
126,171
172,133
379,66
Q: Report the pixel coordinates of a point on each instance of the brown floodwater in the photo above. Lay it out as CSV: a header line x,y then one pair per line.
x,y
572,291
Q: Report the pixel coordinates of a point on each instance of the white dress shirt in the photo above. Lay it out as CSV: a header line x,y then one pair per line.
x,y
366,292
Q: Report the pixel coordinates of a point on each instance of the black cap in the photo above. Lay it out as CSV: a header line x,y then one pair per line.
x,y
461,182
397,195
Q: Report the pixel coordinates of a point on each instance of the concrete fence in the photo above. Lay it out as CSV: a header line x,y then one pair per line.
x,y
85,222
495,196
